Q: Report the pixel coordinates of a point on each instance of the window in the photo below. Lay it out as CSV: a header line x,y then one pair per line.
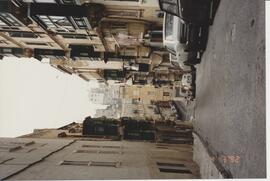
x,y
9,28
173,168
91,146
7,50
124,13
36,43
61,30
125,0
75,36
91,163
56,22
9,148
170,6
80,22
9,20
86,151
99,151
150,93
101,146
2,23
23,143
118,25
61,21
129,51
162,147
45,1
32,149
23,34
78,163
107,164
166,94
69,1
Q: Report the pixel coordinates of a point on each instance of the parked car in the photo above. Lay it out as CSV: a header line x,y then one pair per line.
x,y
187,80
188,84
191,11
178,63
185,42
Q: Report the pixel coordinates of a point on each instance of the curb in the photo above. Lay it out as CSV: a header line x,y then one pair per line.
x,y
202,155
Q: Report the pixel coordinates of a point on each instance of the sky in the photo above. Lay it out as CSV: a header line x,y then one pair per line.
x,y
34,95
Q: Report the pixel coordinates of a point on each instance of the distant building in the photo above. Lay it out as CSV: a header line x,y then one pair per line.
x,y
136,109
147,93
139,101
96,97
105,94
112,111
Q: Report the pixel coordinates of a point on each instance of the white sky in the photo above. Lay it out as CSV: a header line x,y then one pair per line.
x,y
35,95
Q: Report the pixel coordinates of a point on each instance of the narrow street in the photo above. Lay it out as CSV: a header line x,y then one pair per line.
x,y
230,97
132,89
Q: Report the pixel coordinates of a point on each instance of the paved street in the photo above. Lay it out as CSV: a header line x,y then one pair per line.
x,y
230,107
